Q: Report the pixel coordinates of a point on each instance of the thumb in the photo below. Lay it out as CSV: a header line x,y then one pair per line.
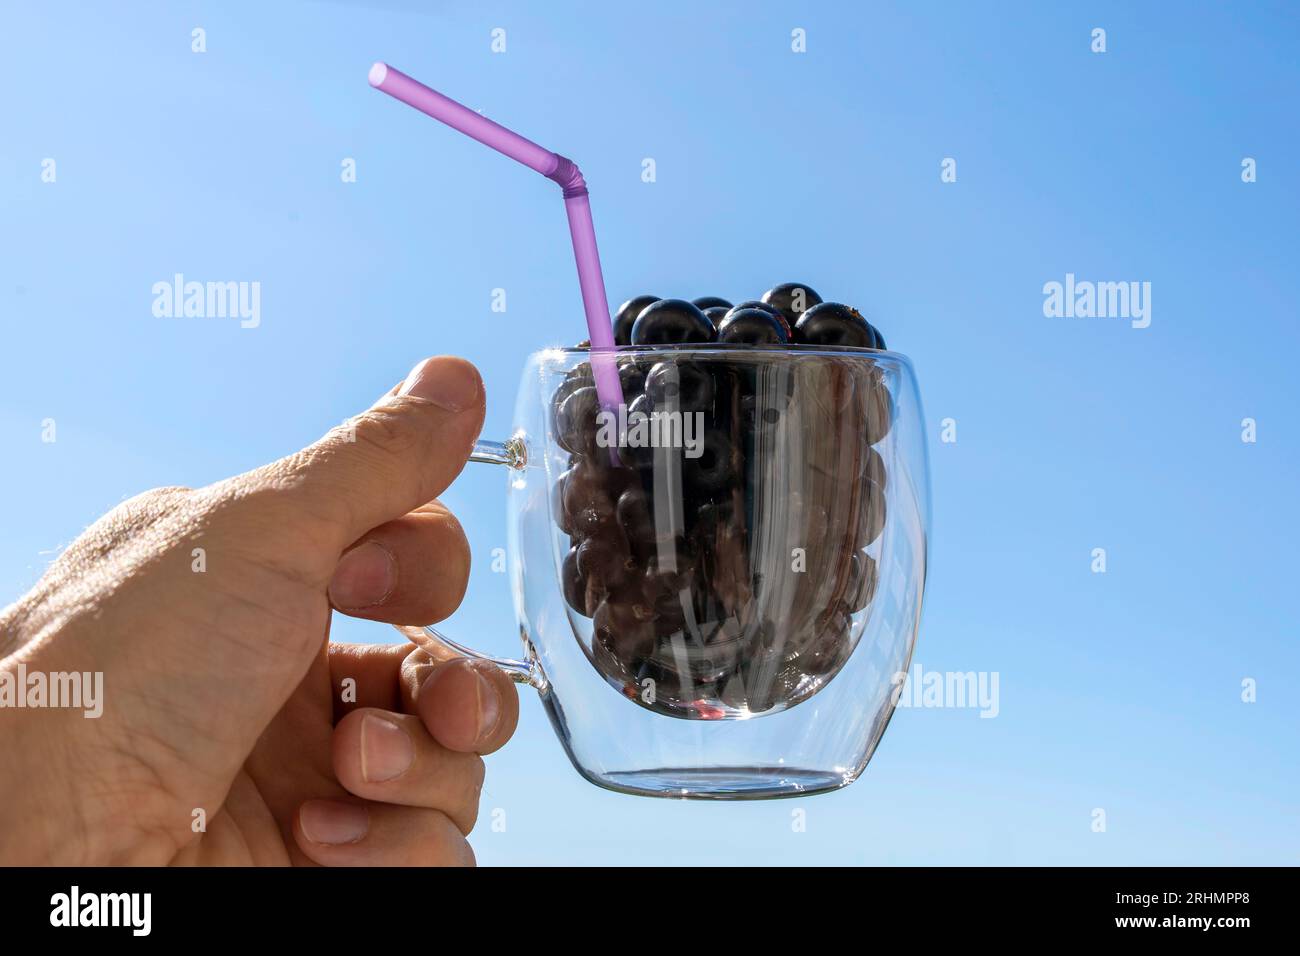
x,y
397,455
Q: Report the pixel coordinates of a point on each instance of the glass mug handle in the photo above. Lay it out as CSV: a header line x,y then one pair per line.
x,y
514,455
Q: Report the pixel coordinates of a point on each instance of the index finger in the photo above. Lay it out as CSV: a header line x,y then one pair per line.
x,y
366,675
454,697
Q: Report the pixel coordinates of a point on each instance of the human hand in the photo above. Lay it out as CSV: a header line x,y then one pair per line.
x,y
223,699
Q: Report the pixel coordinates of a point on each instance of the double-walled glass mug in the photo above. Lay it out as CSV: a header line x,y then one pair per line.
x,y
718,582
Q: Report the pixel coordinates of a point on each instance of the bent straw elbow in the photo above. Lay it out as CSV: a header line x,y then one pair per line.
x,y
569,176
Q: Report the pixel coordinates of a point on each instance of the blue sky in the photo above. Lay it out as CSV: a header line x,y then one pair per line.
x,y
1119,691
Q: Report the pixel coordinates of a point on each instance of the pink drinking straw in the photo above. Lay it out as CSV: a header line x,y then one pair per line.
x,y
576,203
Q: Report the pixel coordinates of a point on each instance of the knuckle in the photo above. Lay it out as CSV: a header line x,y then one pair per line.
x,y
244,506
473,796
472,783
158,518
149,506
437,606
168,494
450,845
387,430
455,536
463,788
455,561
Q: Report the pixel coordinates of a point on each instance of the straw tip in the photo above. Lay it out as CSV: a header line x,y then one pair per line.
x,y
378,73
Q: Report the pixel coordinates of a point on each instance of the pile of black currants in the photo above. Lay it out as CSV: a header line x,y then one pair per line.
x,y
722,576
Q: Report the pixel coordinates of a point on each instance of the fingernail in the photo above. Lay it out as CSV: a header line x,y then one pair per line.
x,y
331,822
386,750
448,382
364,577
489,704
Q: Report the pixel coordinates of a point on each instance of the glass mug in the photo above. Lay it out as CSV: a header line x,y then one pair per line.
x,y
719,584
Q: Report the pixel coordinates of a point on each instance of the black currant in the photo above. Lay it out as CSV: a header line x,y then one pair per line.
x,y
793,299
633,511
752,327
716,313
574,584
576,423
877,407
679,387
714,468
861,582
870,516
604,559
625,318
632,379
830,646
625,628
672,322
834,325
558,508
759,304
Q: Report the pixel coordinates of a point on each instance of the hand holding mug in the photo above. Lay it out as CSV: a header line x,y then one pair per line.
x,y
232,731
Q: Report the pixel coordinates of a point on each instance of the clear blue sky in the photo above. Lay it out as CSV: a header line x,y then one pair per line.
x,y
1118,690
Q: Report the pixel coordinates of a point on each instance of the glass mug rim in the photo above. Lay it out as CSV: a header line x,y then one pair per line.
x,y
724,348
